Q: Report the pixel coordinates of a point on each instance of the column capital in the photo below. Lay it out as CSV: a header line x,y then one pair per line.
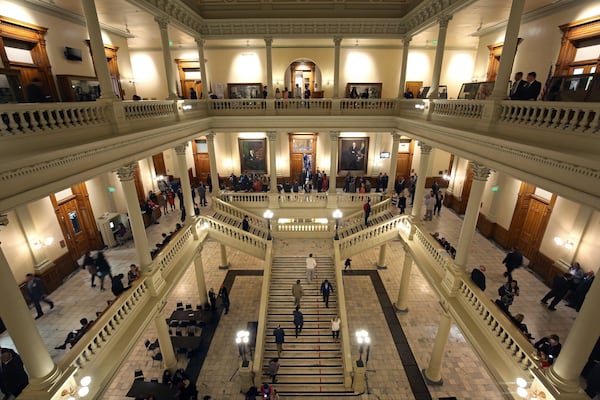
x,y
268,41
3,219
272,135
210,136
443,20
480,171
337,40
395,136
127,172
406,39
199,41
425,148
163,22
334,135
180,149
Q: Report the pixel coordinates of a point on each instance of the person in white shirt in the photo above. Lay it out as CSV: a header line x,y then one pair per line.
x,y
311,265
336,323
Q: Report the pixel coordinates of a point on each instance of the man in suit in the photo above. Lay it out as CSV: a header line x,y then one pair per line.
x,y
519,87
37,293
326,290
533,87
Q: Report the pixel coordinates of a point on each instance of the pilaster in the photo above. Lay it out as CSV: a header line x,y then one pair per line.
x,y
212,159
202,62
404,63
268,48
97,46
272,136
443,21
337,41
417,205
163,23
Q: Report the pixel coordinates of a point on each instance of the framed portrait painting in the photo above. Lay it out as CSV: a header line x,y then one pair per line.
x,y
363,90
253,155
353,154
244,90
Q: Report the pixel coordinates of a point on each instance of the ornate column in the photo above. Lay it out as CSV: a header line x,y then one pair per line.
x,y
38,253
163,23
273,160
401,304
333,162
565,371
268,43
164,340
509,50
432,373
439,56
97,46
126,175
202,62
200,281
421,177
224,263
381,261
405,45
16,316
186,186
337,40
480,176
393,163
212,159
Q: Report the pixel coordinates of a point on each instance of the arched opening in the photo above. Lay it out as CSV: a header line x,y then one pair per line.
x,y
302,72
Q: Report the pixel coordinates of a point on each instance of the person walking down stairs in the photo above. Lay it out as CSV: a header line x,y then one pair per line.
x,y
279,334
298,320
311,265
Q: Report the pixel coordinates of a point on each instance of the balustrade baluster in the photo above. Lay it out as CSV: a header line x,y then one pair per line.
x,y
580,124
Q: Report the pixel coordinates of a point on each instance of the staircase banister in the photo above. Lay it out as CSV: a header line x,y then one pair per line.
x,y
236,211
261,331
386,230
236,237
341,298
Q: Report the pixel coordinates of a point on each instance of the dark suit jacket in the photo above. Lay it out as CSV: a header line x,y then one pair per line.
x,y
520,92
533,90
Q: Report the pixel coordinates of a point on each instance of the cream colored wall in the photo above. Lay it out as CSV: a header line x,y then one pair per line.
x,y
587,254
440,160
99,196
149,72
236,66
46,224
15,248
560,224
541,41
507,198
370,65
322,57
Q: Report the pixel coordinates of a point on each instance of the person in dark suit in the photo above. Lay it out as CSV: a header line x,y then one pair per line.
x,y
560,287
326,290
548,349
246,224
518,90
533,87
37,293
13,378
512,261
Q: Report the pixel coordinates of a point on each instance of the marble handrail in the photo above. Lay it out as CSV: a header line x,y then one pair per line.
x,y
370,236
257,223
261,331
27,118
459,108
343,312
134,110
234,237
243,197
168,256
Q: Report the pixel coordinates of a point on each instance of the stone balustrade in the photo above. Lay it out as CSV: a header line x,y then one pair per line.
x,y
294,200
234,237
256,222
257,199
148,109
261,331
459,108
167,257
370,237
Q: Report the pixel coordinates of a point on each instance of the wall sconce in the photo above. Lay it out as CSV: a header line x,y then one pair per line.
x,y
446,176
566,243
78,392
38,244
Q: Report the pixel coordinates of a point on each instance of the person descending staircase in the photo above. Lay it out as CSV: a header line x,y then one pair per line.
x,y
311,365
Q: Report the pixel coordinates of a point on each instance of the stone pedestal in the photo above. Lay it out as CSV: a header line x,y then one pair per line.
x,y
246,376
359,381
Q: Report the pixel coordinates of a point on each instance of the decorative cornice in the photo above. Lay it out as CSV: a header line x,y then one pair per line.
x,y
181,15
334,135
127,172
180,149
162,21
268,41
425,148
429,11
480,171
272,135
337,41
396,136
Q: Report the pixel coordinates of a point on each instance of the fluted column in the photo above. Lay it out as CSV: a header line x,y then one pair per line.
x,y
393,163
38,253
273,160
163,24
405,47
421,177
575,351
433,374
184,178
333,162
382,253
212,159
337,41
126,175
97,46
467,231
200,281
164,340
402,303
509,49
18,320
439,56
202,62
224,262
268,43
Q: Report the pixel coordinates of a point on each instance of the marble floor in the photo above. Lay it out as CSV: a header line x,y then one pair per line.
x,y
464,375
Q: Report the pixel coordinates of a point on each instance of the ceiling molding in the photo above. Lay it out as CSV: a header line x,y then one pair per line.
x,y
298,28
179,14
528,17
66,15
428,12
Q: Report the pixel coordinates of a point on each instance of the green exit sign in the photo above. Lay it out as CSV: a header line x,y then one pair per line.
x,y
111,189
434,42
495,188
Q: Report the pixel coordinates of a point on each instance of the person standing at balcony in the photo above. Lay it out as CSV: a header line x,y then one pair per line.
x,y
13,378
367,210
202,195
518,89
311,265
326,290
35,92
297,92
162,202
512,261
193,94
90,265
37,293
402,202
533,87
385,180
171,199
246,224
297,292
429,206
298,320
439,197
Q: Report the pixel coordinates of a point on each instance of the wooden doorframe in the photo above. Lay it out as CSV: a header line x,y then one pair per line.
x,y
110,52
574,32
494,58
313,136
36,36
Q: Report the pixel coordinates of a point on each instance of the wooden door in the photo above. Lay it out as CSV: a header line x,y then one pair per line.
x,y
159,164
533,229
414,87
187,85
72,226
202,164
296,166
403,165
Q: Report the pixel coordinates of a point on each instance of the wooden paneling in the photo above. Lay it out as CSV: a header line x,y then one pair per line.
x,y
501,236
533,229
545,267
485,226
403,165
159,164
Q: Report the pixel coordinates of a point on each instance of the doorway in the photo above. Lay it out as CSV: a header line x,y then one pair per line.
x,y
303,72
404,162
303,153
414,87
201,160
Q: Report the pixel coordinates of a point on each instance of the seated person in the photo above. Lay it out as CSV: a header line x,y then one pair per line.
x,y
121,234
117,285
132,274
518,321
548,349
478,277
76,334
166,238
